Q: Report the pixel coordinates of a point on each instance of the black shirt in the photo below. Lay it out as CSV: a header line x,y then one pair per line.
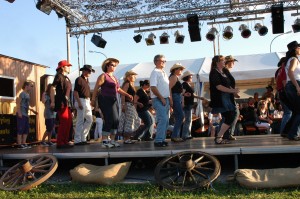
x,y
82,87
188,89
130,91
60,84
177,88
144,99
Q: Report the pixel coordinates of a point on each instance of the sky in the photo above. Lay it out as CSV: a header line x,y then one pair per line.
x,y
29,34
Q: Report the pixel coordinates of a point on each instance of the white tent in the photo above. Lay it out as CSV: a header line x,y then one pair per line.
x,y
248,67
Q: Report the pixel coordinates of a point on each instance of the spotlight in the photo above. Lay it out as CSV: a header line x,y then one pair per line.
x,y
137,38
150,39
296,26
44,6
164,38
98,40
211,35
227,33
262,30
245,32
179,38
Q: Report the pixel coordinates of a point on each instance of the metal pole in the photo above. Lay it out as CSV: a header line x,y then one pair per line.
x,y
84,48
278,36
68,43
78,53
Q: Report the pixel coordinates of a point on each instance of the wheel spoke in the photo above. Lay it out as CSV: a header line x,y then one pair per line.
x,y
205,168
39,171
198,159
43,166
199,173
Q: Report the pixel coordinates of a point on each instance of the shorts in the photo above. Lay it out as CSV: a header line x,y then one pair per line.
x,y
22,125
49,124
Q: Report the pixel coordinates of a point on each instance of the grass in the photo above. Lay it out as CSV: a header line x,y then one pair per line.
x,y
78,190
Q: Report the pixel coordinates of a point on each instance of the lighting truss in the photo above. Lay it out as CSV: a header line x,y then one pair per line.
x,y
108,15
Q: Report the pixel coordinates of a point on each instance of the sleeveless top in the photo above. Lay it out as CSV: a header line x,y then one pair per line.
x,y
177,88
130,91
48,113
109,88
296,71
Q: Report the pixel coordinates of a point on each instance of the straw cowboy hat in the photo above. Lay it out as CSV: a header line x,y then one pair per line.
x,y
230,58
128,73
105,62
175,66
186,73
87,67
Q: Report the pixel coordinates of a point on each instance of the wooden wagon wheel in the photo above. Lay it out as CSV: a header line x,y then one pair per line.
x,y
186,171
28,173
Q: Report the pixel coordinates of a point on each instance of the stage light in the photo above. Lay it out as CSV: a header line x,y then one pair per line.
x,y
179,38
245,32
262,30
296,26
98,40
44,6
164,38
137,38
212,33
228,33
150,39
277,18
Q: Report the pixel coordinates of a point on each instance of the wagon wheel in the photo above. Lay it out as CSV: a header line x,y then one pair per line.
x,y
186,171
28,173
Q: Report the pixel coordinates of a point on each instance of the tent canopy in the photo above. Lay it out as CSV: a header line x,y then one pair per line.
x,y
248,67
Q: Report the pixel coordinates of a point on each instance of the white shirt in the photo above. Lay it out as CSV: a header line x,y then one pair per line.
x,y
296,71
160,80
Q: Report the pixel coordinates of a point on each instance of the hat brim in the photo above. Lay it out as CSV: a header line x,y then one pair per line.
x,y
177,68
92,70
191,74
107,61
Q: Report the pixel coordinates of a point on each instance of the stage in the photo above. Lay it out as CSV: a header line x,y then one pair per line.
x,y
252,144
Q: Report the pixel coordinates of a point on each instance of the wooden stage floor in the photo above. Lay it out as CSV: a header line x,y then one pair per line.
x,y
252,144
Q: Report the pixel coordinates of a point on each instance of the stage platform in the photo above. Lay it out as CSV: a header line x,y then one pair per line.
x,y
252,144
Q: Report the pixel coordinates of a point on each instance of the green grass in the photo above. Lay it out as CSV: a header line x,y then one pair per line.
x,y
77,190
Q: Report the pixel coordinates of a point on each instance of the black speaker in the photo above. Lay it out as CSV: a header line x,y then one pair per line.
x,y
98,41
194,29
277,19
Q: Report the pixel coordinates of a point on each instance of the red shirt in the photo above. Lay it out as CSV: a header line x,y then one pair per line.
x,y
281,76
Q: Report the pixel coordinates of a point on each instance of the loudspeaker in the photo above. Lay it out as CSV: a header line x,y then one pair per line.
x,y
98,41
277,19
194,29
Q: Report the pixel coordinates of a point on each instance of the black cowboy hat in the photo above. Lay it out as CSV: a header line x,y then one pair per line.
x,y
87,67
293,45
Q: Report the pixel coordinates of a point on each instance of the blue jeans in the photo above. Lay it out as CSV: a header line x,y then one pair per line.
x,y
148,120
187,124
178,114
162,118
287,114
294,99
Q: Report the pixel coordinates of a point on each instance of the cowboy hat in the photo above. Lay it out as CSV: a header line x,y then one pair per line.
x,y
175,66
293,45
186,73
87,67
128,73
108,60
230,58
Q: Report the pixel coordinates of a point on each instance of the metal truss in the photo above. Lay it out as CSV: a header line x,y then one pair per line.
x,y
90,16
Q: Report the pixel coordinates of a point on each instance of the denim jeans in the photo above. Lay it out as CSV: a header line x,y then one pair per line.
x,y
287,114
178,114
187,124
162,118
294,99
148,120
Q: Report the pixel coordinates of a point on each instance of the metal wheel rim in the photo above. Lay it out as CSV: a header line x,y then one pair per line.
x,y
171,174
29,173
